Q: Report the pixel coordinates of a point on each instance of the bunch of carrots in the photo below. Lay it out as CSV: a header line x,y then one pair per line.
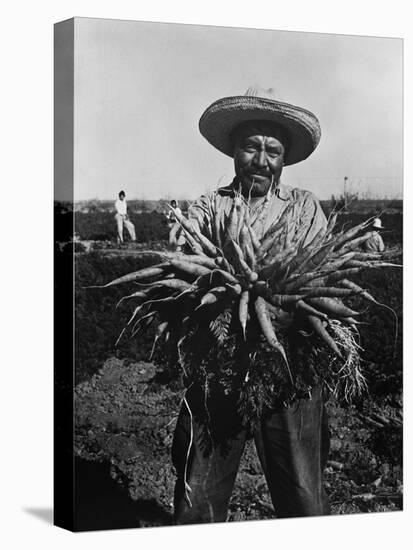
x,y
274,282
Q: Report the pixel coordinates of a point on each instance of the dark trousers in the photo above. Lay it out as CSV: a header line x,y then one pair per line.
x,y
292,445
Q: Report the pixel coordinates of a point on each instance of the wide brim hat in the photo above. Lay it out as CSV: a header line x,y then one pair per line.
x,y
222,117
377,223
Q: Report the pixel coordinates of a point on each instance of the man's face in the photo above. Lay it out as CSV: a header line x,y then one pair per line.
x,y
258,156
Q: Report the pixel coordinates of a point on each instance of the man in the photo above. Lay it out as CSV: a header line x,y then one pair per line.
x,y
122,218
262,135
375,243
176,237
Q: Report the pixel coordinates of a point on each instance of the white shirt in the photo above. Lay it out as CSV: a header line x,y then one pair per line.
x,y
172,215
121,207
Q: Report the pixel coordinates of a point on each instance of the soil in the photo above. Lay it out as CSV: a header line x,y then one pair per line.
x,y
125,419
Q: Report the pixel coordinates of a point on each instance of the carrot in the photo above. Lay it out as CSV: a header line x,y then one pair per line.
x,y
281,300
189,232
246,247
140,275
254,239
351,233
308,309
224,264
343,274
300,263
319,329
212,296
295,282
276,247
135,313
235,289
327,292
241,208
250,275
207,300
332,219
350,321
232,222
268,331
195,235
243,239
216,220
317,259
371,265
225,276
368,256
206,244
175,284
243,311
139,295
195,259
218,290
270,269
195,247
148,318
318,238
280,275
331,307
250,256
190,268
338,263
322,278
355,243
356,288
273,233
168,255
160,330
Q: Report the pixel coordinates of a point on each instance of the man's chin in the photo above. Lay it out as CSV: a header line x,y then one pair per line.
x,y
257,186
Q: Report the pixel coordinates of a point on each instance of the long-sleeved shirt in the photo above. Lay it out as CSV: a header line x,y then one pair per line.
x,y
305,218
374,243
121,207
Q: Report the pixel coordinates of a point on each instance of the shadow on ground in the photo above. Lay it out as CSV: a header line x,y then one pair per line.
x,y
45,514
102,503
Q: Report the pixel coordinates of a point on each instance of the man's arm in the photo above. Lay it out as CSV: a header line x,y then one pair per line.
x,y
312,217
380,243
200,214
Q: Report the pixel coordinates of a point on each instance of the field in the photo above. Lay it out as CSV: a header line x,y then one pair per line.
x,y
126,407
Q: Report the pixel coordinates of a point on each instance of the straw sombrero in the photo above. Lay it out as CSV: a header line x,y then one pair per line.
x,y
222,117
377,224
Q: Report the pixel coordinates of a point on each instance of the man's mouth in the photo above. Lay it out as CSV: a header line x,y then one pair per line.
x,y
259,177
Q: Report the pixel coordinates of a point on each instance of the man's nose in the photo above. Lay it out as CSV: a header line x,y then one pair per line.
x,y
261,159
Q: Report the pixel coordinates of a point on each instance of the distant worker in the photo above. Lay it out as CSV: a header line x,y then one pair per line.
x,y
375,242
176,236
122,218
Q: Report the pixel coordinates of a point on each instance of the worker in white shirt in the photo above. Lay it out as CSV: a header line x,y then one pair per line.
x,y
375,242
176,236
122,218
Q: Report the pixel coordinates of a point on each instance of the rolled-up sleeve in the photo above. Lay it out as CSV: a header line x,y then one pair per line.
x,y
312,217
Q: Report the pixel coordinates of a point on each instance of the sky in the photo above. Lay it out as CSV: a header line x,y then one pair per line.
x,y
140,89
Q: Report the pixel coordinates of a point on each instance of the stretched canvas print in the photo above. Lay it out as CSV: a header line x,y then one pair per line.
x,y
228,252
